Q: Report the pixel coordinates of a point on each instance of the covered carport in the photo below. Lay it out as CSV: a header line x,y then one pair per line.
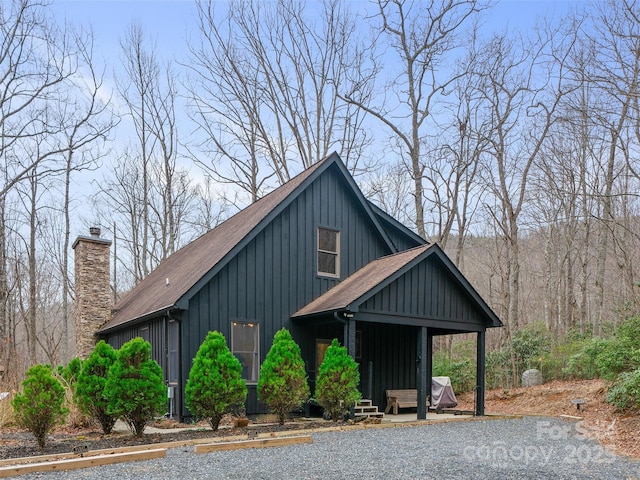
x,y
389,312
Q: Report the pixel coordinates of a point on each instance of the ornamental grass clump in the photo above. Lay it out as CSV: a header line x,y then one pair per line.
x,y
135,389
337,384
68,375
40,405
215,386
283,381
90,394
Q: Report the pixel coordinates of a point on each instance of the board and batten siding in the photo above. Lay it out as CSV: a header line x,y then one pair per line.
x,y
427,292
275,273
390,352
399,236
153,331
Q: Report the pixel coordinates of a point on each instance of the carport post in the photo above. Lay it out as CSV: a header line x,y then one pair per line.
x,y
480,373
350,344
423,373
350,336
429,365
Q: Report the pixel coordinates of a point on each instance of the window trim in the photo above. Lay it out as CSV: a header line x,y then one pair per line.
x,y
336,254
173,378
255,353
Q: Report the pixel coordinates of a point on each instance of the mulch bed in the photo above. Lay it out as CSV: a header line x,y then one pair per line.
x,y
16,443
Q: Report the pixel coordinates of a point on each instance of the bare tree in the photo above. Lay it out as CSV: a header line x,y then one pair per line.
x,y
421,37
37,60
522,84
264,90
209,208
87,124
452,169
390,189
617,43
141,70
147,191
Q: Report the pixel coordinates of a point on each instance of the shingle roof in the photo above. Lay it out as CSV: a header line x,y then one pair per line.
x,y
164,286
347,292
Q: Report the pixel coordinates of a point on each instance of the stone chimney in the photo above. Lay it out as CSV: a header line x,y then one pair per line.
x,y
93,292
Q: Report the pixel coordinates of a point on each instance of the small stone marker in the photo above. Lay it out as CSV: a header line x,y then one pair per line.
x,y
531,378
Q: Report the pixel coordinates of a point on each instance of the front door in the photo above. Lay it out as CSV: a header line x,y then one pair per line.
x,y
321,348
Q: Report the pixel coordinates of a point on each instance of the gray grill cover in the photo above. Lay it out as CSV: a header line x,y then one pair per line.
x,y
442,395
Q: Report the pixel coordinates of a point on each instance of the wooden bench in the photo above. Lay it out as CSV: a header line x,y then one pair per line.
x,y
407,398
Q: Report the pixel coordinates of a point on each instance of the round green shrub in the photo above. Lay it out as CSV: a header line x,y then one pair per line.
x,y
498,368
39,407
215,386
135,389
283,380
338,379
625,393
529,344
90,387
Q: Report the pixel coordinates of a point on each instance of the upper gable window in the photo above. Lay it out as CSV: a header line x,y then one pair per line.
x,y
328,252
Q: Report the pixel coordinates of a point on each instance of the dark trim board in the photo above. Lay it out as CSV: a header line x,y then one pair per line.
x,y
441,324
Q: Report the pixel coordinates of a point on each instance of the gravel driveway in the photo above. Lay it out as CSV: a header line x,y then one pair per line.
x,y
493,449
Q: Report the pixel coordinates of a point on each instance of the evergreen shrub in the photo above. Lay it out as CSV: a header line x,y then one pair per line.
x,y
337,384
625,393
529,345
40,405
91,395
135,389
70,371
215,386
283,381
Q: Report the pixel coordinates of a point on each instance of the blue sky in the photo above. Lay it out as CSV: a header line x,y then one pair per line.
x,y
170,22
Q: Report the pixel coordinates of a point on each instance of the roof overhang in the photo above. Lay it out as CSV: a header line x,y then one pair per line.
x,y
168,310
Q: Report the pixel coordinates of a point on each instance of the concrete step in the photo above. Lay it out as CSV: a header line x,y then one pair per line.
x,y
370,414
365,408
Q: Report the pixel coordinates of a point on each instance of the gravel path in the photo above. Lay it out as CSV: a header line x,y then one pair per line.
x,y
537,448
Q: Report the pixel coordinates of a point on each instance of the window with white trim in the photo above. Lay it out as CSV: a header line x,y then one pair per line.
x,y
328,252
245,345
173,344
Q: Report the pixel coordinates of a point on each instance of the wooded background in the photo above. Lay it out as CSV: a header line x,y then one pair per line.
x,y
517,151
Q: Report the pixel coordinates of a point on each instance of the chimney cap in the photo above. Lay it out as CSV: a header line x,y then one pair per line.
x,y
94,237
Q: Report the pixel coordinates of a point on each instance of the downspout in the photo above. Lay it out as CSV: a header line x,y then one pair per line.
x,y
346,320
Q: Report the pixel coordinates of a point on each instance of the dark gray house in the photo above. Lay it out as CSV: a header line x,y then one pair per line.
x,y
316,257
